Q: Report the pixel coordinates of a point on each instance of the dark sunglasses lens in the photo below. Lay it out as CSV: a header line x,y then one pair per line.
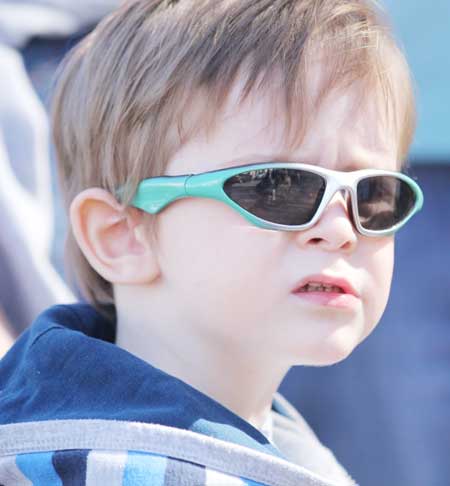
x,y
384,201
282,196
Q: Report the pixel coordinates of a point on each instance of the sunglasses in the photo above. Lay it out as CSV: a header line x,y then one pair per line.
x,y
291,196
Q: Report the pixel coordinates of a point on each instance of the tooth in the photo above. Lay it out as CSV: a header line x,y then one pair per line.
x,y
319,287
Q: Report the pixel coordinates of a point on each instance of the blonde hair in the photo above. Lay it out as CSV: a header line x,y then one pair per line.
x,y
123,92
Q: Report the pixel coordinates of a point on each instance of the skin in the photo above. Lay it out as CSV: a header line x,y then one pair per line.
x,y
7,336
212,303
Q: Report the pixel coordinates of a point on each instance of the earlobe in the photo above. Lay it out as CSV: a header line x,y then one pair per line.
x,y
111,238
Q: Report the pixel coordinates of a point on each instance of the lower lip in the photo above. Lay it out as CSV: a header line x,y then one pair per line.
x,y
330,299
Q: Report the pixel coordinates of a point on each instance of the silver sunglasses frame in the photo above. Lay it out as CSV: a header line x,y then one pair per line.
x,y
336,181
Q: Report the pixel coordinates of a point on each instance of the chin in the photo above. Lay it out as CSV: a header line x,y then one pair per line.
x,y
328,352
333,357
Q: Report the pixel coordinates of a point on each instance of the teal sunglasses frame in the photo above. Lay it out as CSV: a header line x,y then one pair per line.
x,y
155,193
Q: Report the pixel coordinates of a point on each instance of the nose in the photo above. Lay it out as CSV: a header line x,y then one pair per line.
x,y
334,231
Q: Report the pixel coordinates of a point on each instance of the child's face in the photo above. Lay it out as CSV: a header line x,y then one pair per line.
x,y
233,283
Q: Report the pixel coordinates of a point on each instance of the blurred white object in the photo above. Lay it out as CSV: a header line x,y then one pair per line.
x,y
21,20
28,281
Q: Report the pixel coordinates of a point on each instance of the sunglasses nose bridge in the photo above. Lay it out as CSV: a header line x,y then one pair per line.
x,y
342,187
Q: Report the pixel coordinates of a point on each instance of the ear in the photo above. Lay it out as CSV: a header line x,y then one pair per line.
x,y
112,238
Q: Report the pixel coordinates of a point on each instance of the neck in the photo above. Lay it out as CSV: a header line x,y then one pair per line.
x,y
242,380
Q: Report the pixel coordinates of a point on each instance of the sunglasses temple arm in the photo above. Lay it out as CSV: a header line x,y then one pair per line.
x,y
208,184
156,193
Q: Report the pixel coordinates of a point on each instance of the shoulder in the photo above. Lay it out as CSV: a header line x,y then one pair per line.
x,y
51,357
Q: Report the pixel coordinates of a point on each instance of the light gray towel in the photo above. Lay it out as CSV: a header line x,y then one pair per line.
x,y
300,445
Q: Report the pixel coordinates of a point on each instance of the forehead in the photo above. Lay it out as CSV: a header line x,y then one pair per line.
x,y
345,131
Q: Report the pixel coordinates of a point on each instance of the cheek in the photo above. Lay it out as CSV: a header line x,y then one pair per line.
x,y
209,249
380,271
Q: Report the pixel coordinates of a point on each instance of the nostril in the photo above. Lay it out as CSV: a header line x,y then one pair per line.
x,y
315,241
347,246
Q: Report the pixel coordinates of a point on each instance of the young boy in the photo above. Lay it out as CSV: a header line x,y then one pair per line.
x,y
232,170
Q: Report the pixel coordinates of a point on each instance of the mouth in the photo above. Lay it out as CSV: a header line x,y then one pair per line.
x,y
328,291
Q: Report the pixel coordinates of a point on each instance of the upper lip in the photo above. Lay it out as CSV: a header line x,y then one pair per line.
x,y
345,285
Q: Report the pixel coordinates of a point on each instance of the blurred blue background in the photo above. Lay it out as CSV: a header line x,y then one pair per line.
x,y
385,411
423,29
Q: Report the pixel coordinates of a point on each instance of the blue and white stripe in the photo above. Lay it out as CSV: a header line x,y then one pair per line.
x,y
91,468
119,453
